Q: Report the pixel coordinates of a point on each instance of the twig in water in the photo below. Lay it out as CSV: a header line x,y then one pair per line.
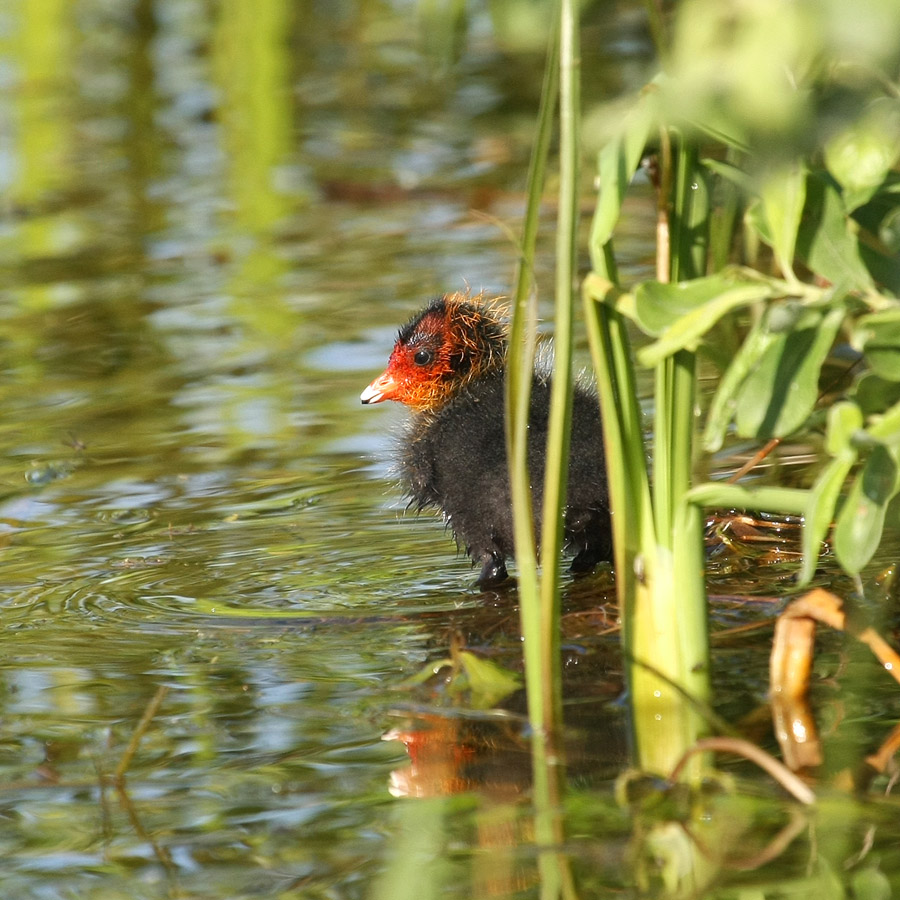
x,y
139,732
778,770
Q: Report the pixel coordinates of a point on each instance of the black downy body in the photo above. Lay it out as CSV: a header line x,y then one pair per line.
x,y
454,458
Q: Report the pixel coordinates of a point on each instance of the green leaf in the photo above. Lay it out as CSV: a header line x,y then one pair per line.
x,y
871,884
861,521
681,314
723,405
780,206
736,176
730,65
827,240
658,305
617,163
428,671
724,220
882,264
861,156
824,495
488,682
776,398
874,393
889,231
885,427
844,420
722,495
878,337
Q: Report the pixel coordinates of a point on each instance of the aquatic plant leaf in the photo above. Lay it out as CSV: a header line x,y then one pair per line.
x,y
776,214
659,305
889,230
426,673
875,394
861,155
861,520
617,163
416,832
488,683
687,331
878,337
885,428
724,403
823,500
778,395
871,884
731,66
738,177
681,314
882,256
844,420
827,240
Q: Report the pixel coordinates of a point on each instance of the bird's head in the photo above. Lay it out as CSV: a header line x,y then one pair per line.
x,y
455,339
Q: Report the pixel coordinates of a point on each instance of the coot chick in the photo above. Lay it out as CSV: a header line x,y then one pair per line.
x,y
448,366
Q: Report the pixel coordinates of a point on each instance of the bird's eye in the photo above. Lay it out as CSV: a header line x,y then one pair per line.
x,y
423,357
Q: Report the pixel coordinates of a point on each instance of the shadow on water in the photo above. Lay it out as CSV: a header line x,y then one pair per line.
x,y
213,222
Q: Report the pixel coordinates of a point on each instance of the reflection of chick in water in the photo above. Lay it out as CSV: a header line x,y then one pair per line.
x,y
437,755
491,761
442,751
448,366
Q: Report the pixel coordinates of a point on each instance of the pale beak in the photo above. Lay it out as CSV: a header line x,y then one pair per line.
x,y
382,388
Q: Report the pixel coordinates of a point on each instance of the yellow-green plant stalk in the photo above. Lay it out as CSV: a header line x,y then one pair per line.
x,y
539,593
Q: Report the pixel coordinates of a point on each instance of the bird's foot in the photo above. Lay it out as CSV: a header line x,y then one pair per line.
x,y
591,551
493,572
585,562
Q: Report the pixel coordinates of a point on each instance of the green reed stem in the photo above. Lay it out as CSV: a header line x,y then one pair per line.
x,y
539,595
676,375
556,878
520,365
634,539
657,531
670,629
556,472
